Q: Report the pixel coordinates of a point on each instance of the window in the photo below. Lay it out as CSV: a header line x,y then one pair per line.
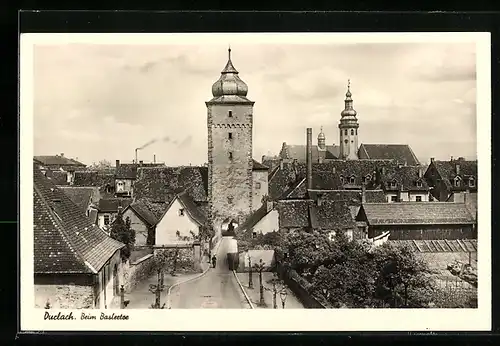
x,y
352,132
472,182
356,132
352,180
419,183
418,198
394,198
257,185
457,181
393,183
230,200
230,155
230,114
106,219
254,235
230,135
181,212
341,179
345,132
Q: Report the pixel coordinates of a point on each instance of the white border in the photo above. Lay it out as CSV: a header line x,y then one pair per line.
x,y
264,320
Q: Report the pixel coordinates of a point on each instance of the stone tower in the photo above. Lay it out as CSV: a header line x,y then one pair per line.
x,y
229,120
348,129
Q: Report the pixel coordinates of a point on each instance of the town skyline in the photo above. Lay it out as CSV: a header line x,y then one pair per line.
x,y
120,97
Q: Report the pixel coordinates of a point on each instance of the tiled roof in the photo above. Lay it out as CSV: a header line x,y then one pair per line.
x,y
398,152
447,171
457,245
329,215
272,163
159,184
65,240
283,179
406,177
126,171
94,178
254,218
81,196
110,205
298,152
58,160
351,197
58,177
416,213
192,209
157,208
257,166
143,211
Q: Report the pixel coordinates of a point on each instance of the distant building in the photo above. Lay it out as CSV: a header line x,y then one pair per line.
x,y
404,184
85,198
448,177
76,265
108,210
58,162
143,221
262,221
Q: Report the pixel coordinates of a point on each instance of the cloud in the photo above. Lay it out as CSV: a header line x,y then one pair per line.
x,y
186,142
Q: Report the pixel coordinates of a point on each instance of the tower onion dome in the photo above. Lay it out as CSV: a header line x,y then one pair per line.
x,y
349,110
321,135
229,82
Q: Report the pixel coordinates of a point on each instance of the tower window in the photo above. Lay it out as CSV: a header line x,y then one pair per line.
x,y
230,155
352,132
356,132
230,135
346,141
257,185
472,182
230,114
345,132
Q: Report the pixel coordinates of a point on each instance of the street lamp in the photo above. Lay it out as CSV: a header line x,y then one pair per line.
x,y
250,281
283,295
260,268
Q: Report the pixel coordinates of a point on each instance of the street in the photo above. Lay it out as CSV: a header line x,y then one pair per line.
x,y
217,289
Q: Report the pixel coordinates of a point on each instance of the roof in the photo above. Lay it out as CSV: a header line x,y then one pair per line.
x,y
448,171
126,171
398,152
57,160
254,218
351,197
57,176
257,166
110,205
408,178
160,184
457,245
306,213
81,196
196,213
142,210
415,213
65,240
298,152
94,178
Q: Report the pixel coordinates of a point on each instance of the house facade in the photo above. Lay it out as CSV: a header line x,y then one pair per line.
x,y
76,265
143,221
405,184
262,221
108,210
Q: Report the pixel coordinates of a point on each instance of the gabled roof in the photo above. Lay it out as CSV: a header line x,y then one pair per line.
x,y
126,171
196,212
433,246
110,205
254,218
142,210
57,160
329,215
398,152
448,171
407,178
298,152
257,166
65,240
81,196
159,184
415,213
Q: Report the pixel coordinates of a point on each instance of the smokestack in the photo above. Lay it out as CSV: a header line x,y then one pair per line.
x,y
62,154
154,158
309,158
117,164
432,159
136,154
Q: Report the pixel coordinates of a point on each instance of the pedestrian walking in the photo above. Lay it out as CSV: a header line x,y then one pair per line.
x,y
214,261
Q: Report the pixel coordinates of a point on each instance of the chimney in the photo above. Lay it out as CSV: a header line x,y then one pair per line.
x,y
457,169
363,194
117,164
333,170
281,163
451,159
154,158
62,154
120,209
269,206
432,159
140,163
420,172
309,158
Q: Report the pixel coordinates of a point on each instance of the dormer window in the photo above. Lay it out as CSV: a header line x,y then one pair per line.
x,y
419,183
341,179
230,114
367,179
230,135
457,181
472,182
181,212
352,180
392,183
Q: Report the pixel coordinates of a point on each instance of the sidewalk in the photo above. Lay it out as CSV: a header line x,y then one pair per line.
x,y
254,294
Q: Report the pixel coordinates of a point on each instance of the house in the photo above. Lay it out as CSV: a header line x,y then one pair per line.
x,y
84,197
76,265
261,221
260,188
404,184
58,163
322,215
448,177
253,257
418,221
142,220
467,197
125,176
181,221
108,210
402,153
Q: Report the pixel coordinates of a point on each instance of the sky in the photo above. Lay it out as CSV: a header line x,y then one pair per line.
x,y
101,101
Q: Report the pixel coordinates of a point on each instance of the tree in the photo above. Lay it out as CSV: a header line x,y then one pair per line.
x,y
122,231
101,165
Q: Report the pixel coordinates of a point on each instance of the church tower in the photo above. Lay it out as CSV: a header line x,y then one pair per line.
x,y
230,122
348,129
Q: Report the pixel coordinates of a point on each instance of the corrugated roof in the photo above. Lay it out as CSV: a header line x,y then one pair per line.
x,y
417,213
65,240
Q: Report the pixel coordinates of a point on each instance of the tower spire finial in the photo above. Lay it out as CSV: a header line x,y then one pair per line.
x,y
349,84
229,51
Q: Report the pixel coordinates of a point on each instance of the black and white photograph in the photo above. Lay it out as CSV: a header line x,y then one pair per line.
x,y
342,174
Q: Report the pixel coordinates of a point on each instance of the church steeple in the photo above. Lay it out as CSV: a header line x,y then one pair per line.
x,y
321,140
229,83
348,128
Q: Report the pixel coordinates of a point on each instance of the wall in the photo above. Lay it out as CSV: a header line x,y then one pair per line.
x,y
64,296
172,222
259,177
424,196
389,196
100,219
107,287
137,271
136,223
269,223
229,178
188,260
427,232
127,186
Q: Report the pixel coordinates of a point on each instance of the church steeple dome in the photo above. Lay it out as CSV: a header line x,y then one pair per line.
x,y
321,139
229,82
348,110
